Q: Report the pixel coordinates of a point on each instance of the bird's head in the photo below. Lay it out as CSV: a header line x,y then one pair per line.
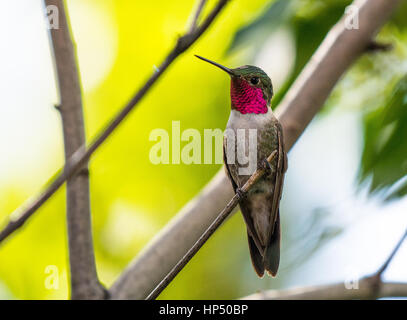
x,y
250,90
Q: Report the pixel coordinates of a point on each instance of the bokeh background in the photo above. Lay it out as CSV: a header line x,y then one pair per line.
x,y
344,204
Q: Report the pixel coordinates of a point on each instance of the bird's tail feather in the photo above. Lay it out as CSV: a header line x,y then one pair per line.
x,y
257,258
271,259
272,253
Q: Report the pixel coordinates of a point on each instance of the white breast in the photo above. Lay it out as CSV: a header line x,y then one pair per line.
x,y
249,120
242,137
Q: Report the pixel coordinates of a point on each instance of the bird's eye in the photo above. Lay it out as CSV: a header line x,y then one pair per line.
x,y
254,80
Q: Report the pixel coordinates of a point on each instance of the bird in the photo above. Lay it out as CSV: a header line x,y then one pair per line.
x,y
251,91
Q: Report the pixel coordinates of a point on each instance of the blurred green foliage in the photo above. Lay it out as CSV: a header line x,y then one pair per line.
x,y
385,149
133,199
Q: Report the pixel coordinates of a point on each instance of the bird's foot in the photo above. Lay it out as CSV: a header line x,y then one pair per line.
x,y
240,193
267,167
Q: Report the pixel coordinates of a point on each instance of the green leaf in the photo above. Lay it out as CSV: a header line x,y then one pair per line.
x,y
384,159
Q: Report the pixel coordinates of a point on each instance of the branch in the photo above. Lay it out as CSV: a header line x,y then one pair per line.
x,y
81,156
197,14
84,280
392,254
338,51
371,287
212,228
366,289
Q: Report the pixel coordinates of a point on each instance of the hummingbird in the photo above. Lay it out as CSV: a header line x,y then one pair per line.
x,y
251,91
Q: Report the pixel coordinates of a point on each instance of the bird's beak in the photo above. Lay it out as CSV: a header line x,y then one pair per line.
x,y
230,71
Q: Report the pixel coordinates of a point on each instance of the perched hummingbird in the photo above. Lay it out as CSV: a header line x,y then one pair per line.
x,y
251,92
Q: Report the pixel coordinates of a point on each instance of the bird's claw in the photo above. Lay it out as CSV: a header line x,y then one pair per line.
x,y
240,193
267,167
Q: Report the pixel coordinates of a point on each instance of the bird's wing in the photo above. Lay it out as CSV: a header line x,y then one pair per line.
x,y
272,252
234,185
279,179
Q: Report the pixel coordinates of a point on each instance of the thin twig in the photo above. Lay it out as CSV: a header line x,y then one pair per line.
x,y
336,291
212,228
340,48
81,157
84,280
194,23
391,256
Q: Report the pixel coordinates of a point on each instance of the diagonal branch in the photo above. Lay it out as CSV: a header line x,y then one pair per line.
x,y
81,156
197,14
84,280
391,256
212,228
338,51
337,291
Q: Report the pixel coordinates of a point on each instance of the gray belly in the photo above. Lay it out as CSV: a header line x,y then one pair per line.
x,y
248,141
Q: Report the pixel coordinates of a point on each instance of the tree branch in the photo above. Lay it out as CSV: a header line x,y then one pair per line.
x,y
84,280
337,291
212,228
81,156
197,14
391,256
338,51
